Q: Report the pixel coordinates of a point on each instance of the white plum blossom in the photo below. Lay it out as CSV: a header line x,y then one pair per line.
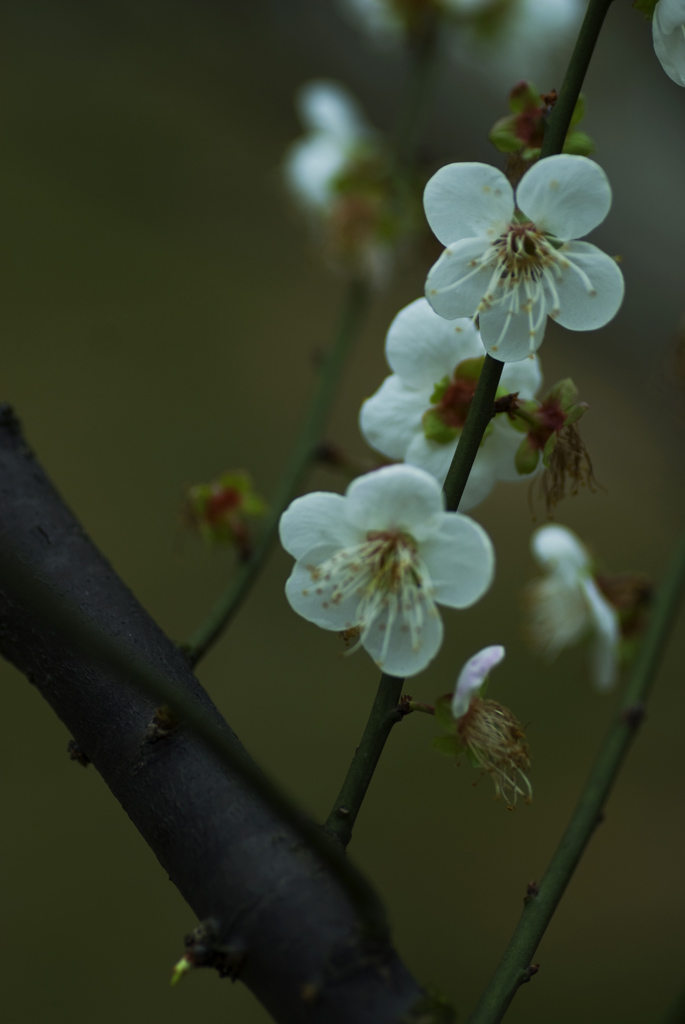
x,y
566,605
378,560
513,260
668,35
417,413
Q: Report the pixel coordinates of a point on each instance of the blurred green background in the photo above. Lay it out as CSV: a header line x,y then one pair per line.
x,y
162,310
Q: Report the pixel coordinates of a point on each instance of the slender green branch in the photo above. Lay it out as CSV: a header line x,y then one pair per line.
x,y
479,415
354,309
514,968
73,624
560,118
384,714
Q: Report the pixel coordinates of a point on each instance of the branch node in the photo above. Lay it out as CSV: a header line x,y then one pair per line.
x,y
530,971
75,751
634,715
532,890
204,950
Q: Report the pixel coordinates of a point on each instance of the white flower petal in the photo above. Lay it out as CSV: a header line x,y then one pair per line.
x,y
554,546
460,559
391,418
400,654
604,656
311,597
326,106
511,336
669,48
558,613
670,14
315,519
422,346
481,480
566,196
473,675
500,447
310,166
524,377
458,281
467,199
590,290
396,498
435,458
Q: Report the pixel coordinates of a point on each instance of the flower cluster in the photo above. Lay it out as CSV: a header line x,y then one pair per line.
x,y
418,413
513,260
378,560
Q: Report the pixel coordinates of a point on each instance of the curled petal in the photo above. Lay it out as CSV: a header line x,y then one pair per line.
x,y
396,497
460,559
390,419
422,346
458,281
590,290
565,196
467,199
315,519
473,675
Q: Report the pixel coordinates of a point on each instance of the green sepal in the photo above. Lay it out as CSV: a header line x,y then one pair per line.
x,y
548,449
524,96
435,430
526,459
578,144
503,135
439,390
443,712
646,7
565,392
469,369
575,412
448,745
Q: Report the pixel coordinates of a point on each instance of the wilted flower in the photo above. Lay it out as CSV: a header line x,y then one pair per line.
x,y
380,558
668,34
418,413
220,510
513,261
566,605
488,732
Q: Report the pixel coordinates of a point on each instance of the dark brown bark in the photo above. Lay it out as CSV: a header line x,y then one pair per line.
x,y
280,921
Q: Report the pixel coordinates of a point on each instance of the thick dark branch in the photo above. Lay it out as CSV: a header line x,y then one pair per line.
x,y
280,921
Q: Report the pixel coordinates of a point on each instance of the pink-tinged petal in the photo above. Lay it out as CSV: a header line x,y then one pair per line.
x,y
311,595
524,377
460,559
510,336
458,281
391,419
473,675
422,346
395,498
400,653
467,199
604,652
590,289
566,196
316,518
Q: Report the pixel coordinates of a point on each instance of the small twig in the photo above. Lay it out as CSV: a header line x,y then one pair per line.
x,y
539,910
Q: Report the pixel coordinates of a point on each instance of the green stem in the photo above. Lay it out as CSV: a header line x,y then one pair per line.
x,y
384,714
514,968
560,118
479,415
354,309
72,624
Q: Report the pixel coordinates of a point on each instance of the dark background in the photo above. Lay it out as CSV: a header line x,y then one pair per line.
x,y
161,311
